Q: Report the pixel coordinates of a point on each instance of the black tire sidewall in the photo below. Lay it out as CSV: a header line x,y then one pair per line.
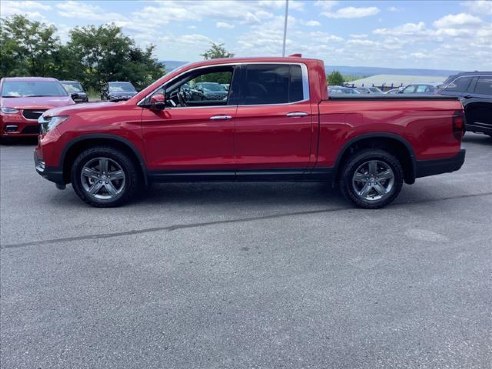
x,y
128,166
354,162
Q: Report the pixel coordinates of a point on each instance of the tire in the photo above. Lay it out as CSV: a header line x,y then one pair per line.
x,y
371,179
105,177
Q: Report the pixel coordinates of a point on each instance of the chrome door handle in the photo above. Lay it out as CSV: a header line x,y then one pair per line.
x,y
296,114
220,117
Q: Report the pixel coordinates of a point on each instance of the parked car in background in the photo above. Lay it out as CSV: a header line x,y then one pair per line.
x,y
76,91
475,91
277,124
420,88
24,99
211,90
393,91
118,91
341,90
369,90
226,86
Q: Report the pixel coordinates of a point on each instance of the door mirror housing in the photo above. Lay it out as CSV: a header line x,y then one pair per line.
x,y
158,101
74,96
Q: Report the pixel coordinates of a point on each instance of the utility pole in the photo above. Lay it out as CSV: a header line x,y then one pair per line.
x,y
285,25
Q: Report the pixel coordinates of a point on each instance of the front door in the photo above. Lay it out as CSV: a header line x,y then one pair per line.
x,y
195,131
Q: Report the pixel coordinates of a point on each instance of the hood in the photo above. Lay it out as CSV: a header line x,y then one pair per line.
x,y
45,102
79,108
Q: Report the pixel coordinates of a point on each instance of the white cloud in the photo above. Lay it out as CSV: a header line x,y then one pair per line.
x,y
394,9
352,12
483,7
32,9
312,23
326,4
461,19
280,4
405,29
81,10
224,25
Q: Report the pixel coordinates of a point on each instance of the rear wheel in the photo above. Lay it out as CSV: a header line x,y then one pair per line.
x,y
104,177
372,179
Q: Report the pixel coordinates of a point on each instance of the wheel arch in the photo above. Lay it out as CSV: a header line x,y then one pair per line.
x,y
76,146
392,143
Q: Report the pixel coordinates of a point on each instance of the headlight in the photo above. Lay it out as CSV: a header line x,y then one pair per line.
x,y
10,110
49,123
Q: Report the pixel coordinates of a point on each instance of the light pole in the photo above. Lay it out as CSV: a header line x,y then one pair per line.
x,y
285,25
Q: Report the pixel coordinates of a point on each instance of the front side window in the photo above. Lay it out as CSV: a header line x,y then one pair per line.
x,y
202,87
484,86
272,84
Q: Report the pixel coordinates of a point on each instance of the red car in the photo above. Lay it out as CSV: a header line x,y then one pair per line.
x,y
24,99
276,123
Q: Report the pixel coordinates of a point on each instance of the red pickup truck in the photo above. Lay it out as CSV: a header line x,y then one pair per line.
x,y
276,123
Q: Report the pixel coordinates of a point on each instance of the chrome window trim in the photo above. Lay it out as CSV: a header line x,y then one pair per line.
x,y
304,73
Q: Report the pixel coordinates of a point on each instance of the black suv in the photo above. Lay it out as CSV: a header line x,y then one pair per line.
x,y
475,91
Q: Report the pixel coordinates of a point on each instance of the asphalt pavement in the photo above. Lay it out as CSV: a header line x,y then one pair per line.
x,y
252,275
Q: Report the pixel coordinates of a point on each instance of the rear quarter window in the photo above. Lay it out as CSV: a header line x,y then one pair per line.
x,y
484,86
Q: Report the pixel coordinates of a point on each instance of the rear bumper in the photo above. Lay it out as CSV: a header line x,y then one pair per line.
x,y
52,174
426,168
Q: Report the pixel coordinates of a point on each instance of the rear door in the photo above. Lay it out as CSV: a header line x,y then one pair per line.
x,y
479,108
274,122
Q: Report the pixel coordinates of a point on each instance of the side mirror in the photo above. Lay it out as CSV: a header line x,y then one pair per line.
x,y
158,102
74,96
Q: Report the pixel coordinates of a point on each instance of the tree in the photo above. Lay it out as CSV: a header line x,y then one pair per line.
x,y
335,78
217,51
27,47
104,54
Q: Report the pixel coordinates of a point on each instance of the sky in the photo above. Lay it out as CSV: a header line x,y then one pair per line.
x,y
401,34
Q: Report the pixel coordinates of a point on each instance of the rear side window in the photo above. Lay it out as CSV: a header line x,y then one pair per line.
x,y
460,84
272,84
484,86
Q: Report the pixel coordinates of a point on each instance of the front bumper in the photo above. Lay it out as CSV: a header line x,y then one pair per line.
x,y
431,167
18,128
52,174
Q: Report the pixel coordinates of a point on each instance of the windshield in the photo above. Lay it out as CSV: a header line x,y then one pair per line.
x,y
213,86
32,89
72,87
121,87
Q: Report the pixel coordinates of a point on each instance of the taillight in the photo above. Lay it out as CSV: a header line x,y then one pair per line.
x,y
459,124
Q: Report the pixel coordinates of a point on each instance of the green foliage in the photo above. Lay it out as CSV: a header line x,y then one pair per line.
x,y
93,55
217,51
27,47
335,78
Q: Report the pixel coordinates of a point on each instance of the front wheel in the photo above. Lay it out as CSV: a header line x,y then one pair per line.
x,y
104,177
371,179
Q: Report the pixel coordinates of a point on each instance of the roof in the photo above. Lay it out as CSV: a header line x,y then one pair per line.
x,y
33,79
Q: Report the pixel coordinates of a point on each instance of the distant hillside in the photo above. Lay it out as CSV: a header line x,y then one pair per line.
x,y
356,71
